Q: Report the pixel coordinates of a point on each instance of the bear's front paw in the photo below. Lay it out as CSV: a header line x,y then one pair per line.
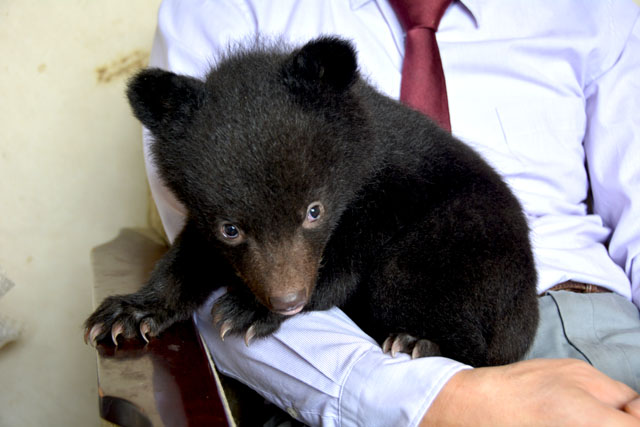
x,y
232,315
409,344
124,315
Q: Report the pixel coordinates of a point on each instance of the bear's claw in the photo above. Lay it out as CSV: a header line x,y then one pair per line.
x,y
411,345
398,343
225,328
125,316
248,336
232,315
116,330
145,329
91,335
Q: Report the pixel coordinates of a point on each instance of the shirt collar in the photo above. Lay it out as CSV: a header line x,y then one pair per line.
x,y
475,9
473,6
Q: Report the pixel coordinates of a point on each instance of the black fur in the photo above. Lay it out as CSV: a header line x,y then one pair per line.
x,y
415,233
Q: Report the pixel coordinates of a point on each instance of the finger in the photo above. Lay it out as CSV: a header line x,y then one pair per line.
x,y
621,419
633,407
590,412
614,393
607,390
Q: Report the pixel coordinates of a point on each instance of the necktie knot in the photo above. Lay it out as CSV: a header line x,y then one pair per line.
x,y
420,13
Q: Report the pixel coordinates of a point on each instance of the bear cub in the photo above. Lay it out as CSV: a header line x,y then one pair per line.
x,y
307,189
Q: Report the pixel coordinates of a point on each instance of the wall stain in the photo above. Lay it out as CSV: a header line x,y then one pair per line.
x,y
124,65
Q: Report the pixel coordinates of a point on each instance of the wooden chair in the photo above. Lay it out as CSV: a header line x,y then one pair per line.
x,y
172,380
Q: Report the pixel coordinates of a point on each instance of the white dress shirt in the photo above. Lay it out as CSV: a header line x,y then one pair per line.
x,y
548,92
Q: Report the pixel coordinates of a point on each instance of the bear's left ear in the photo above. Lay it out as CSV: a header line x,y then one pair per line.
x,y
164,101
326,63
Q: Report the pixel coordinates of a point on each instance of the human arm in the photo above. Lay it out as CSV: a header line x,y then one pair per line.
x,y
323,370
535,392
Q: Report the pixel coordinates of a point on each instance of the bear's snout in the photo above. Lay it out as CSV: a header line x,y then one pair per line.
x,y
289,304
281,274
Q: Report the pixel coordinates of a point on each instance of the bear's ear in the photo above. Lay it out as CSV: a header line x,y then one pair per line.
x,y
164,101
326,63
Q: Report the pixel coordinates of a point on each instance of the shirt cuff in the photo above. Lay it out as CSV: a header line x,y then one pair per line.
x,y
393,391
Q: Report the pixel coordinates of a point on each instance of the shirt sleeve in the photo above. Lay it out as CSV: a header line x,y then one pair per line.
x,y
323,370
320,367
612,147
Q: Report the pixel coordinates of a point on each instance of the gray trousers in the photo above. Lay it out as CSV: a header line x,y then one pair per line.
x,y
602,329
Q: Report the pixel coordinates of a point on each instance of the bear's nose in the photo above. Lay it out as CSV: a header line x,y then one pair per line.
x,y
289,304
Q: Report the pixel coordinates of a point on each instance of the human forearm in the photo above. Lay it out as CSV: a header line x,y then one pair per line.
x,y
535,392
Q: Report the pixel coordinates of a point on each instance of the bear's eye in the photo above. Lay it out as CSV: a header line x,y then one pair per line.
x,y
230,231
314,213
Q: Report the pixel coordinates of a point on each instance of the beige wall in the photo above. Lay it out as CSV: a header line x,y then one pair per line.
x,y
71,174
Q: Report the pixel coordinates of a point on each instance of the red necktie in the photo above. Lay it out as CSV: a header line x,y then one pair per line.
x,y
423,87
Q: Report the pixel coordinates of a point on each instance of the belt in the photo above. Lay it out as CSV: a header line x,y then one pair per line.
x,y
578,287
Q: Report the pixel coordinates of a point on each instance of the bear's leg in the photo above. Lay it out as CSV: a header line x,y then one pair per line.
x,y
431,295
181,281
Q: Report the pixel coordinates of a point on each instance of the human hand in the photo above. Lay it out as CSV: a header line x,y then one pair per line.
x,y
535,392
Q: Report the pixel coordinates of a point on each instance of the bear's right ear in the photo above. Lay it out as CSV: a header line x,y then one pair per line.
x,y
326,64
164,101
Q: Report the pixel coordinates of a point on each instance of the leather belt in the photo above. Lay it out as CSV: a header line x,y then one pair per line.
x,y
578,287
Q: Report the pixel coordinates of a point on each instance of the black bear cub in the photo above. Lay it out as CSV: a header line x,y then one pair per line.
x,y
307,189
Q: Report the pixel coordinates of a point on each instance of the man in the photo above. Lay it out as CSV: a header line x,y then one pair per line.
x,y
549,94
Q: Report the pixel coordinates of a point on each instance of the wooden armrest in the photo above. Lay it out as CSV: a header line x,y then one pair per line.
x,y
170,381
